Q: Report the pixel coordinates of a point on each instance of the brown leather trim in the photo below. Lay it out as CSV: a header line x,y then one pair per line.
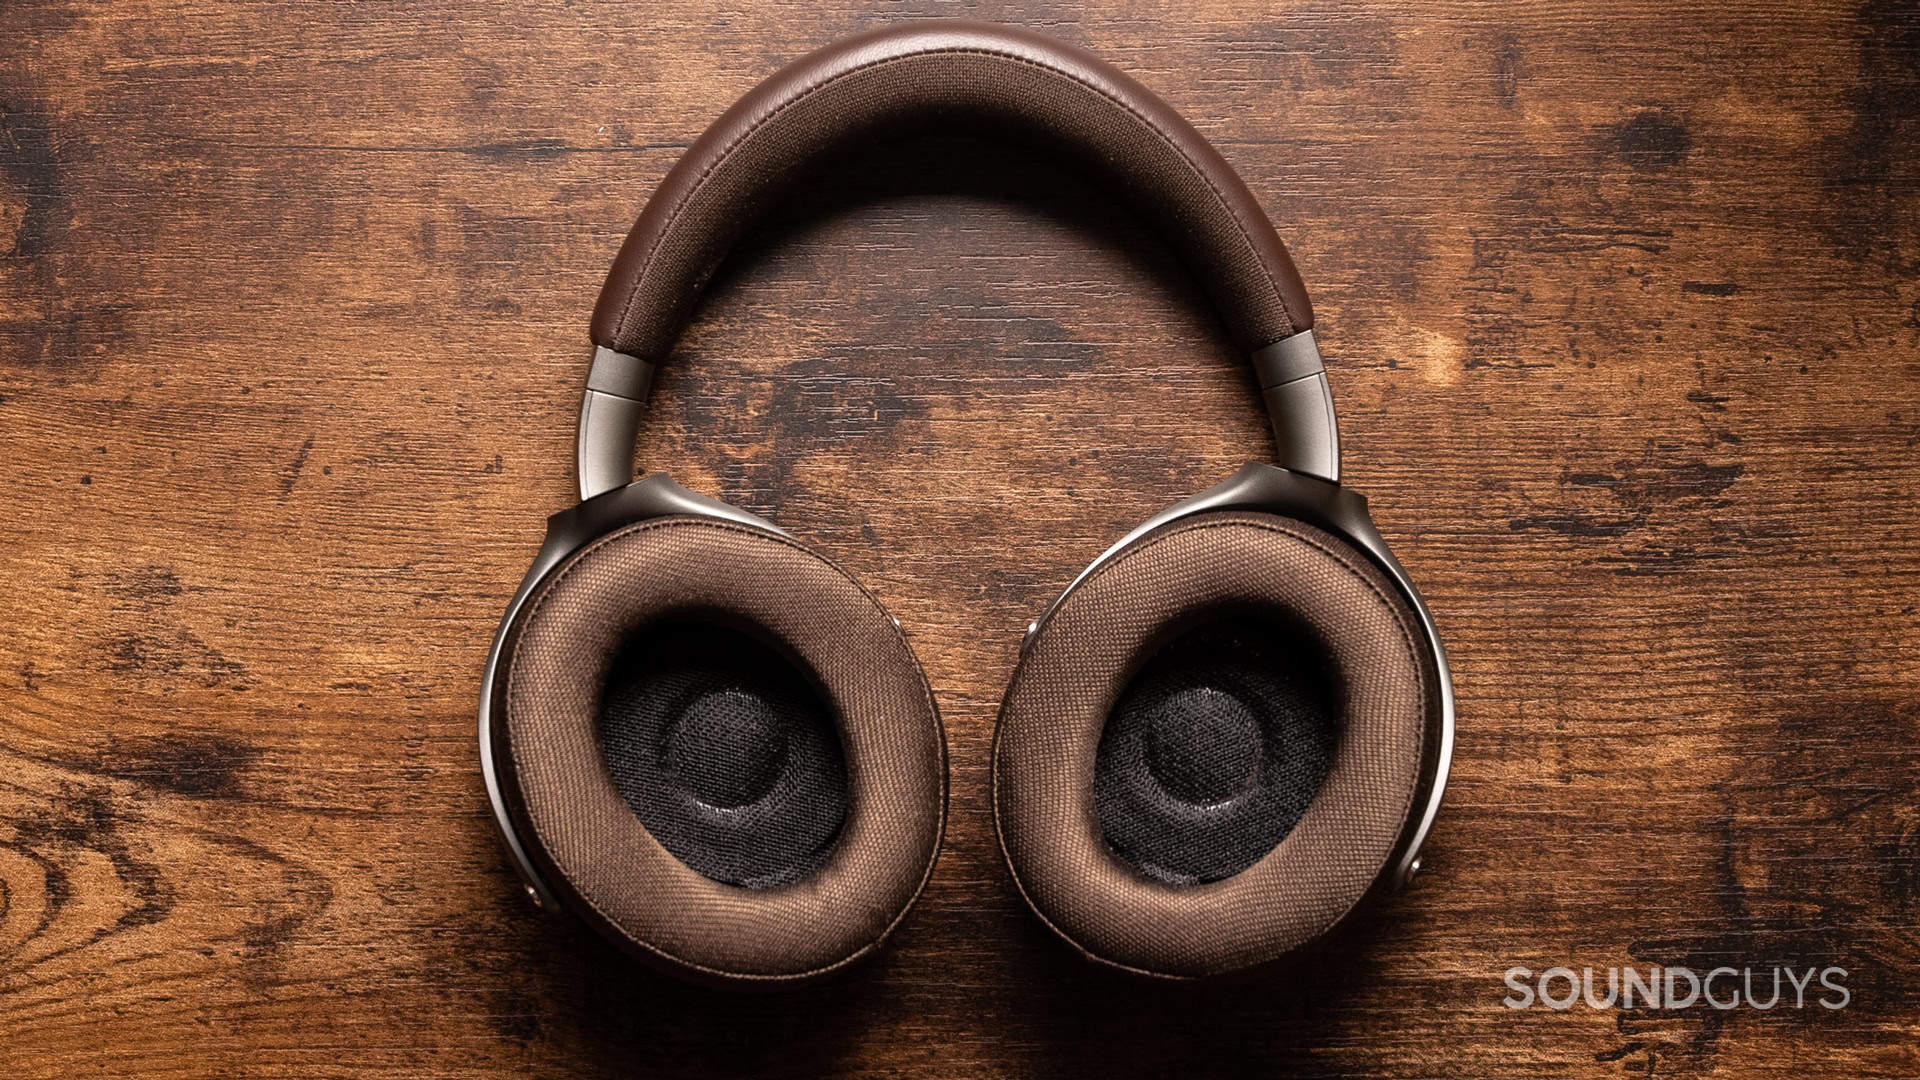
x,y
941,72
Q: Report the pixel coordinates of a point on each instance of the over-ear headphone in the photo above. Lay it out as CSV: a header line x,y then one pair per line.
x,y
713,745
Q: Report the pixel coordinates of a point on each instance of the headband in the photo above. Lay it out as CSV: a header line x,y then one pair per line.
x,y
940,74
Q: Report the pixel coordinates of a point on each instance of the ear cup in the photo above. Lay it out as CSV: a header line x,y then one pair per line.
x,y
1209,750
721,751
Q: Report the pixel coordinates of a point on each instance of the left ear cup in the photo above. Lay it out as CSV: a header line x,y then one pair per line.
x,y
721,751
1209,750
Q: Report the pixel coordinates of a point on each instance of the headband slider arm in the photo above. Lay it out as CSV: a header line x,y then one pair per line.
x,y
621,375
1296,356
610,412
1293,379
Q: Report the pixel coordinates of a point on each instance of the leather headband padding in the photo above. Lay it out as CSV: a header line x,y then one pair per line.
x,y
933,74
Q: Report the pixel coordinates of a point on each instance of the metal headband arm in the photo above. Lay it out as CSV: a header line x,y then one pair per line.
x,y
616,398
1306,437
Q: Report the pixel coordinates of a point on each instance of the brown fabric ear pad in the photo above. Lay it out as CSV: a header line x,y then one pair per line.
x,y
1142,610
676,591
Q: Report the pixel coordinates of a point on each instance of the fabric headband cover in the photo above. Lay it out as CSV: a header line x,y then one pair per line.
x,y
928,76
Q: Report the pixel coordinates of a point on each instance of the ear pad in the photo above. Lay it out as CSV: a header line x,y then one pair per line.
x,y
722,751
1210,748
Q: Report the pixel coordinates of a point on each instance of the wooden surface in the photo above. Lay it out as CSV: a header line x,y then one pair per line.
x,y
1622,303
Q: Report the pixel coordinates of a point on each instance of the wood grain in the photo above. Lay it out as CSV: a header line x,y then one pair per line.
x,y
1623,306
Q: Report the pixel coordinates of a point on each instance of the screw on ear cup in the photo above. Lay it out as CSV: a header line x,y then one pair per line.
x,y
721,752
1209,750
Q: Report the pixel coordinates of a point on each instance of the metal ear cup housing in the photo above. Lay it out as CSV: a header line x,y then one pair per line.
x,y
1230,730
709,743
1342,512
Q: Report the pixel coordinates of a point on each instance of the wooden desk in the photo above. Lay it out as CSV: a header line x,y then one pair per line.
x,y
1623,311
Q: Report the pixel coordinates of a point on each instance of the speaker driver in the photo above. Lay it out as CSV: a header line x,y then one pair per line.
x,y
1215,748
725,751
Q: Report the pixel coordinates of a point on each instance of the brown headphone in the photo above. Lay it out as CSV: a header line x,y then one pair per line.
x,y
714,746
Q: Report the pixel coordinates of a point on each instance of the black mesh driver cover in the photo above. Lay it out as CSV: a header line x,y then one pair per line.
x,y
725,751
1215,748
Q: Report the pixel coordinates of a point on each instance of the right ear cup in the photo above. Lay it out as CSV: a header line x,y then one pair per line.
x,y
1210,748
721,751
